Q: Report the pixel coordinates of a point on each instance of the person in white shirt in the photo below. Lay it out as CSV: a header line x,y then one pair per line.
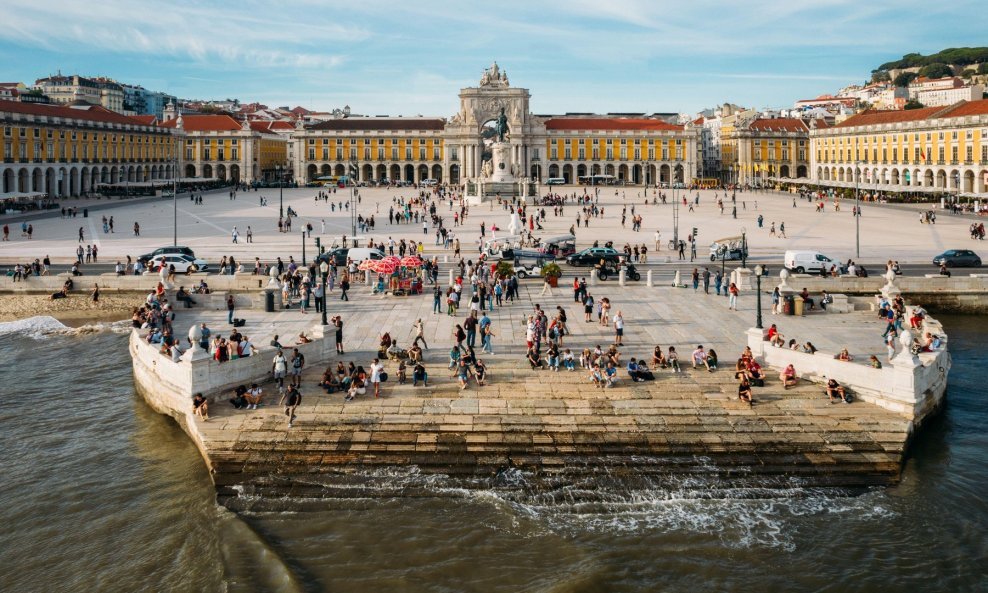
x,y
254,395
279,368
376,368
618,329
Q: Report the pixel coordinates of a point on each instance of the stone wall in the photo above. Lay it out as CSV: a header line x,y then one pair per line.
x,y
169,385
910,385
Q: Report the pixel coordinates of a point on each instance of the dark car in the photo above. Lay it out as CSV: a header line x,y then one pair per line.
x,y
172,249
591,256
958,258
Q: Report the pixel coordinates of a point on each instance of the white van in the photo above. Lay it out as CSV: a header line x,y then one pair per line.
x,y
359,254
810,262
555,181
428,182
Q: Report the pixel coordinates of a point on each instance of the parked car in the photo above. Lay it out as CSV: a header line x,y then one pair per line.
x,y
166,250
184,264
958,258
591,256
810,262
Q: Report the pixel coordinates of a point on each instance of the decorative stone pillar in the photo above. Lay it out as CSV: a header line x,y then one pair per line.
x,y
648,279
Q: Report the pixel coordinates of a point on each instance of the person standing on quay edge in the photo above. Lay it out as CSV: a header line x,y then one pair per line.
x,y
230,306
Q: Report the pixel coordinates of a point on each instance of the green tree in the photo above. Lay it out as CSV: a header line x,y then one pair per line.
x,y
904,79
913,104
880,76
936,70
983,68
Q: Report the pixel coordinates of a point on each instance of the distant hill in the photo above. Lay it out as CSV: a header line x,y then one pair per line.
x,y
955,56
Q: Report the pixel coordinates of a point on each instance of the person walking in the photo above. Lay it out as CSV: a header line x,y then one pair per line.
x,y
279,368
376,372
235,234
706,280
546,287
298,363
81,234
291,399
420,333
345,286
732,290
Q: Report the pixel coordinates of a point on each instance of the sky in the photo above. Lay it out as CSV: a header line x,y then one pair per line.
x,y
411,57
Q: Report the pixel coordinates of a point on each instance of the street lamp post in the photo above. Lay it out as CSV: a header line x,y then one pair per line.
x,y
175,196
303,245
324,270
758,295
281,191
857,213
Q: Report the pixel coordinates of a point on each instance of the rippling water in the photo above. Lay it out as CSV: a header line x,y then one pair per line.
x,y
99,493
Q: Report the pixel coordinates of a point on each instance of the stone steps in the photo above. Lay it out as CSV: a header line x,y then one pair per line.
x,y
556,429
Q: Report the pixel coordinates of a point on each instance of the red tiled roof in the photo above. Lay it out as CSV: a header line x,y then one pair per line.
x,y
779,124
608,123
269,126
93,113
204,123
872,117
968,108
382,123
147,120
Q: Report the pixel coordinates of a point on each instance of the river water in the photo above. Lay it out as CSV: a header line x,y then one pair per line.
x,y
99,493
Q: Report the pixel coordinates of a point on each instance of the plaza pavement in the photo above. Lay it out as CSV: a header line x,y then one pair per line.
x,y
886,232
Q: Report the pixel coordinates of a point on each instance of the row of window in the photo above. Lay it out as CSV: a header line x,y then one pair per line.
x,y
919,154
800,154
367,141
50,133
50,152
381,152
954,135
596,141
581,154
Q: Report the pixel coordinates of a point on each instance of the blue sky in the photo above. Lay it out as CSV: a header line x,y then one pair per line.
x,y
411,57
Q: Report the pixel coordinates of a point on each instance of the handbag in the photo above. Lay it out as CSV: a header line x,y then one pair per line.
x,y
384,377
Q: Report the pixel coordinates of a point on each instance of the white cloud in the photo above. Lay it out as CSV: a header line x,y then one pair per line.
x,y
231,36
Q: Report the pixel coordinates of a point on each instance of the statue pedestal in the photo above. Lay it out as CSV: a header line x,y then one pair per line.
x,y
501,159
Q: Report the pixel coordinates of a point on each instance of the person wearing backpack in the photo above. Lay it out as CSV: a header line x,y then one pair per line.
x,y
291,399
298,362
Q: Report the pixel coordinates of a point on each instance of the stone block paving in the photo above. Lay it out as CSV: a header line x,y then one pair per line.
x,y
545,419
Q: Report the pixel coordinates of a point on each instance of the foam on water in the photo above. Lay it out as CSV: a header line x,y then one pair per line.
x,y
43,326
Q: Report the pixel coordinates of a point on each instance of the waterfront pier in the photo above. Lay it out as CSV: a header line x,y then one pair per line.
x,y
555,426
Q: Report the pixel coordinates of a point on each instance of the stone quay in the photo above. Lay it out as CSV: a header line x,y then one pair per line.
x,y
553,425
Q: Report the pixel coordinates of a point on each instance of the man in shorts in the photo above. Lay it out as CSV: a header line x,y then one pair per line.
x,y
291,399
279,368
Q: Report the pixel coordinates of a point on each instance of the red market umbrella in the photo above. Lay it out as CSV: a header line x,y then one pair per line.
x,y
411,261
367,264
387,266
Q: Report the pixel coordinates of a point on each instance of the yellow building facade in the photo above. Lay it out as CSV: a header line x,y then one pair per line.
x,y
757,150
220,147
932,150
71,150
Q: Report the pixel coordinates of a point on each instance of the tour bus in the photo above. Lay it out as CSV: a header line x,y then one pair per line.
x,y
556,181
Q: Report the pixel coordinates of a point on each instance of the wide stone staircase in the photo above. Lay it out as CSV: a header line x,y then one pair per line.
x,y
555,428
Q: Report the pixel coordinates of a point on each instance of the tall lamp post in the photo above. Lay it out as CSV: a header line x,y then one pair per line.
x,y
857,212
324,270
281,193
175,195
758,295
